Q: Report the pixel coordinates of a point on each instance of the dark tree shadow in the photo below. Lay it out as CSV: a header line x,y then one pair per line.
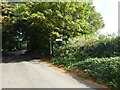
x,y
15,56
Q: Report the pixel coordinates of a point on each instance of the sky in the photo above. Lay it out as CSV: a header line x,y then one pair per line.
x,y
109,12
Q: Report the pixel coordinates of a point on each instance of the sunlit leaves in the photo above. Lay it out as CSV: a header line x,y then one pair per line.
x,y
45,19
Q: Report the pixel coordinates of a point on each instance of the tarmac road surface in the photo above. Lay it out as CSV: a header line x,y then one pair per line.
x,y
31,74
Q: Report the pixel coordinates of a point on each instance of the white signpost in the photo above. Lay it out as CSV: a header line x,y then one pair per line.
x,y
58,39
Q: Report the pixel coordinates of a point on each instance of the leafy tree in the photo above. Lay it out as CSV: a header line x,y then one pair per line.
x,y
50,20
7,37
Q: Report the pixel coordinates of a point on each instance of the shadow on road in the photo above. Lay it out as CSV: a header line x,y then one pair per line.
x,y
15,56
91,84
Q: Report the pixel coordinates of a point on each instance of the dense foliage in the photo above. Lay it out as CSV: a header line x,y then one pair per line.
x,y
98,57
43,22
7,36
90,46
104,70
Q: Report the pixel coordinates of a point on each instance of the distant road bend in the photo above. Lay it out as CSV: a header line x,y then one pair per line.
x,y
31,74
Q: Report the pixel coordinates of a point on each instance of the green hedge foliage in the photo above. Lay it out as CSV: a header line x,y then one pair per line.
x,y
99,57
104,70
90,46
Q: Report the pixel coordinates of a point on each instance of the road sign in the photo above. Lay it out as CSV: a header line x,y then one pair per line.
x,y
59,39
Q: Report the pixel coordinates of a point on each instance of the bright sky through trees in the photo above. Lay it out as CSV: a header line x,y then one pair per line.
x,y
109,11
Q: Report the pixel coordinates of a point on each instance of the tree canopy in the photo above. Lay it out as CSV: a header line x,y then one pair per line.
x,y
41,21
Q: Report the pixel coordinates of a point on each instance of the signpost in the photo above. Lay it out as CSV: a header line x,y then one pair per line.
x,y
58,39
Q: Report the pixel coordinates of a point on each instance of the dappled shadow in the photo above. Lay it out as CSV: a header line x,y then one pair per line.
x,y
15,56
93,85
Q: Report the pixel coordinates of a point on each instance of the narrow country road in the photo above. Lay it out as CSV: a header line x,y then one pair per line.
x,y
31,74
